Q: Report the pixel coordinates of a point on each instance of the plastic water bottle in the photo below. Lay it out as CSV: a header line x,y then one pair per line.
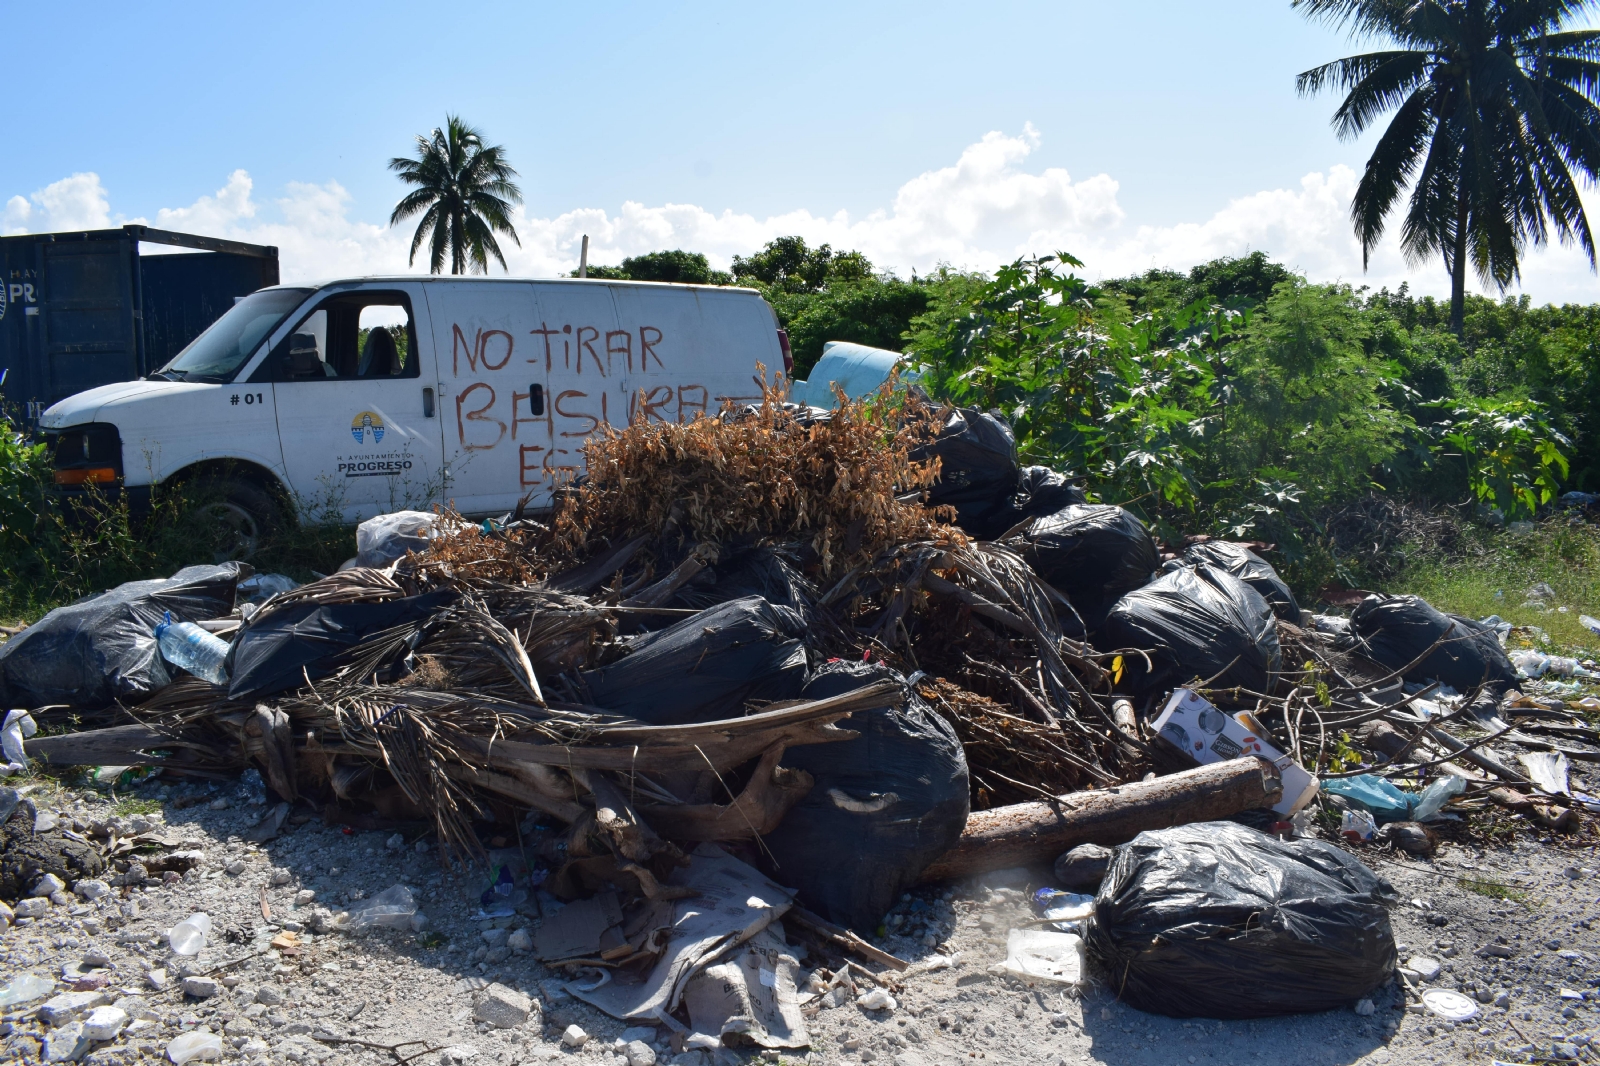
x,y
188,937
186,645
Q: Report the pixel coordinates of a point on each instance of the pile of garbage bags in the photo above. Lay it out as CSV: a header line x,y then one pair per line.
x,y
823,681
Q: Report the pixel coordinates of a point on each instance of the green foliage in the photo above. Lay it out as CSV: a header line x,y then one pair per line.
x,y
1242,420
53,552
464,192
1309,403
874,311
787,264
1494,116
686,268
1510,451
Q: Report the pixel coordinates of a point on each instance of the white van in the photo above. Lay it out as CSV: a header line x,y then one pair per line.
x,y
365,396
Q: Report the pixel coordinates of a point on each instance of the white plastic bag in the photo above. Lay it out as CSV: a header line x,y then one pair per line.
x,y
1039,955
393,908
1436,796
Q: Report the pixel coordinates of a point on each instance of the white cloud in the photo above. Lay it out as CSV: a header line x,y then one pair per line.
x,y
75,203
985,209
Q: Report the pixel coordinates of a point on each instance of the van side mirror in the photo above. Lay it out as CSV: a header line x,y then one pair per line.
x,y
304,360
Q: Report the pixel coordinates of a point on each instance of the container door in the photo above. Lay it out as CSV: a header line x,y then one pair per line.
x,y
89,315
356,408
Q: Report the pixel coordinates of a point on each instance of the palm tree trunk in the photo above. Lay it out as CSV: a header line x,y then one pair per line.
x,y
1458,270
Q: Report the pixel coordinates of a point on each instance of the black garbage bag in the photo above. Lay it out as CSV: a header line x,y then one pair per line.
x,y
707,666
1217,920
1042,491
883,807
977,470
306,639
103,648
1253,570
1194,622
762,570
1396,630
1093,554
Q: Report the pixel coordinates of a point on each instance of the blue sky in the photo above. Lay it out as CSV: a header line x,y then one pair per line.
x,y
1135,135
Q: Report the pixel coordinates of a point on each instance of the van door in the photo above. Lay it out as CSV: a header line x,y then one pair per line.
x,y
356,407
526,381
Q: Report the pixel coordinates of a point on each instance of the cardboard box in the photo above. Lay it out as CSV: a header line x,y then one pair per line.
x,y
1191,725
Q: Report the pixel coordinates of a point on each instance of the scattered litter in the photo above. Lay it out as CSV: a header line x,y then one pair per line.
x,y
729,902
1376,795
1451,1006
750,996
877,999
188,937
1066,910
191,648
18,725
392,908
1204,734
197,1046
25,988
1038,954
580,929
1547,769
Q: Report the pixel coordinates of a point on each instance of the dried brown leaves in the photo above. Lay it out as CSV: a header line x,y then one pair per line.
x,y
832,485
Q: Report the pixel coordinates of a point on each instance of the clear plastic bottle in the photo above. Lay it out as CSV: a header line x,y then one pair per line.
x,y
187,645
188,937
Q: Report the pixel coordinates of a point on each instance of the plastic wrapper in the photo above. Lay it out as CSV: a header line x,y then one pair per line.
x,y
707,666
1196,622
1253,570
103,648
1431,803
1376,795
278,652
1396,630
978,470
1093,554
392,909
387,537
883,805
1214,920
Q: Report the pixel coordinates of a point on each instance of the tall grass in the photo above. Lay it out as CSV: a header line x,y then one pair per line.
x,y
1490,571
53,553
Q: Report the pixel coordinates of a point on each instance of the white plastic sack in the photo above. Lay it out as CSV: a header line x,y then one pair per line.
x,y
382,540
393,907
19,724
1039,955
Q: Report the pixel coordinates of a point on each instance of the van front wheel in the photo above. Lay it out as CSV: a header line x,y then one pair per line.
x,y
230,518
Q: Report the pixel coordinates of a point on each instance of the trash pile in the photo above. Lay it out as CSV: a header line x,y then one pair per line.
x,y
800,661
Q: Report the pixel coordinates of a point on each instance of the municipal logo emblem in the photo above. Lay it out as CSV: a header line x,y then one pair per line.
x,y
2,300
364,423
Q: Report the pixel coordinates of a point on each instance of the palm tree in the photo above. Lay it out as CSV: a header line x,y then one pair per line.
x,y
1494,114
464,191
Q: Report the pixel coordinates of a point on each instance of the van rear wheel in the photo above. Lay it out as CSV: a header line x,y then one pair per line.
x,y
230,518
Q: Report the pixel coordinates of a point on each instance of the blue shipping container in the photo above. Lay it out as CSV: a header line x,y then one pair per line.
x,y
84,309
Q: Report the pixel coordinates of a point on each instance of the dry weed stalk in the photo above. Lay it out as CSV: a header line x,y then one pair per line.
x,y
835,484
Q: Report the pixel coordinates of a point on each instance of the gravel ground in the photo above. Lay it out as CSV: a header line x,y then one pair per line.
x,y
1530,959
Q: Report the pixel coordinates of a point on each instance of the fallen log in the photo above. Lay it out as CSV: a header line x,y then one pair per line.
x,y
118,745
1027,834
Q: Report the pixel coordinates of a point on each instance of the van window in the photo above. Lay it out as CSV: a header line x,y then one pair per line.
x,y
348,337
219,352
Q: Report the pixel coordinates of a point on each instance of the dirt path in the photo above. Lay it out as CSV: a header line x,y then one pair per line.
x,y
392,986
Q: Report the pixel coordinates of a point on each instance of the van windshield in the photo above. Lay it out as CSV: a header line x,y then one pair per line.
x,y
219,352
